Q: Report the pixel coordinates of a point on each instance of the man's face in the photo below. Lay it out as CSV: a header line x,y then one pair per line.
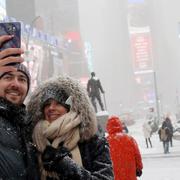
x,y
14,86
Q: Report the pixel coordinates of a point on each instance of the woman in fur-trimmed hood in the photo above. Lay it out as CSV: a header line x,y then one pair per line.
x,y
64,133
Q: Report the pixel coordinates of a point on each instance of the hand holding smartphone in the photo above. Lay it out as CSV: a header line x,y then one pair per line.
x,y
14,30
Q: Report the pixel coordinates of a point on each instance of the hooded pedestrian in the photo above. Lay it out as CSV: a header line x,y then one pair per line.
x,y
125,154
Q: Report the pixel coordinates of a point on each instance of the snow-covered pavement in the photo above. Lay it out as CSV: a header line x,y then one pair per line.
x,y
161,168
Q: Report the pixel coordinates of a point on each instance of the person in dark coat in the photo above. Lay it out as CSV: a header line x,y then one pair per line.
x,y
17,158
94,87
164,135
167,123
125,128
65,133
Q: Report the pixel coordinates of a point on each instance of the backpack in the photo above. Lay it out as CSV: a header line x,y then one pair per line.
x,y
163,134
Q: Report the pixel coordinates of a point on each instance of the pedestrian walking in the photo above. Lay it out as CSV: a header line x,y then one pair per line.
x,y
164,135
147,131
167,123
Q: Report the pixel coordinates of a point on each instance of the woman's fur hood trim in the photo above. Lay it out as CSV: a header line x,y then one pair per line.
x,y
80,104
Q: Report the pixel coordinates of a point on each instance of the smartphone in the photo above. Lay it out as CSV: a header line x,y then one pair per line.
x,y
11,28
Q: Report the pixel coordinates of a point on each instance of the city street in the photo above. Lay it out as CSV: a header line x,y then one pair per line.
x,y
67,68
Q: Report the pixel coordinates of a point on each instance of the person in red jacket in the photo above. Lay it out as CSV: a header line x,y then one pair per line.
x,y
125,154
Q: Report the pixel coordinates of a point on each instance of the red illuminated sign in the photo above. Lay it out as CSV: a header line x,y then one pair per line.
x,y
142,51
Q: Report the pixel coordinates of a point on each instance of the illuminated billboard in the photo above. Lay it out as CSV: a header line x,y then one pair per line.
x,y
142,51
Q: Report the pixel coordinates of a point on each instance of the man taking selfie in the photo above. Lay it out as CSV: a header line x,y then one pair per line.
x,y
16,150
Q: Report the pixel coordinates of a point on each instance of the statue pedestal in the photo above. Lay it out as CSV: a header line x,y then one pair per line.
x,y
102,118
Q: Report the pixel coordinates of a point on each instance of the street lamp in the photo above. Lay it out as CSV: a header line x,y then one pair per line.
x,y
156,97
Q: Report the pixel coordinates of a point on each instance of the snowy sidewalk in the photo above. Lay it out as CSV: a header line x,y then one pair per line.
x,y
157,149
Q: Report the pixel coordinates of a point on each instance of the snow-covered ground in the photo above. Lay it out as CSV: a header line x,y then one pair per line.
x,y
161,168
157,165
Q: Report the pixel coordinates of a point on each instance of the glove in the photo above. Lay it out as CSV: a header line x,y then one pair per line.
x,y
48,157
60,161
51,156
62,152
138,172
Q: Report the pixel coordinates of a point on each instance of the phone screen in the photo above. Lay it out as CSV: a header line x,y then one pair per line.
x,y
11,28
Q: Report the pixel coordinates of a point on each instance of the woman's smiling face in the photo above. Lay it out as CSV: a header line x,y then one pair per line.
x,y
53,110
